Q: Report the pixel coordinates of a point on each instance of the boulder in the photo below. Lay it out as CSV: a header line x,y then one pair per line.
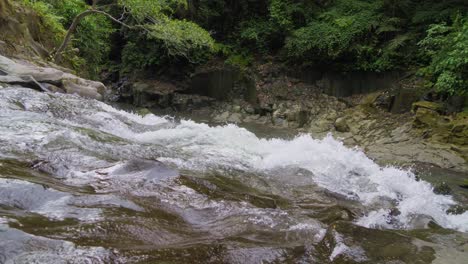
x,y
437,107
456,103
84,88
26,73
235,118
221,118
236,108
153,93
426,117
341,125
290,114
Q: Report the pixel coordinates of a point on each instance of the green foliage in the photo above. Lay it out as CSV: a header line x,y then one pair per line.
x,y
281,13
183,38
447,48
363,35
91,42
92,37
151,9
267,33
50,21
338,31
165,39
257,35
240,60
141,54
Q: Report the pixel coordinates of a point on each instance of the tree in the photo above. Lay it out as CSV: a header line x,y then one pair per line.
x,y
154,18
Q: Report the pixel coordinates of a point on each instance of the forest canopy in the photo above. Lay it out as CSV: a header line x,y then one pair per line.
x,y
360,35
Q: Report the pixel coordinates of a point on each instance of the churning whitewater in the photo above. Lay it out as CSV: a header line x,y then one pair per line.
x,y
79,138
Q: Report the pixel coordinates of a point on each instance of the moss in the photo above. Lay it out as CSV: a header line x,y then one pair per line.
x,y
426,118
427,105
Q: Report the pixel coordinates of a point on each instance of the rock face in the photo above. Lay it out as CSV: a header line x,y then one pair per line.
x,y
348,84
29,75
223,83
20,32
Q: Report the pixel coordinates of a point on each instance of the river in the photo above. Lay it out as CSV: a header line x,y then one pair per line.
x,y
84,182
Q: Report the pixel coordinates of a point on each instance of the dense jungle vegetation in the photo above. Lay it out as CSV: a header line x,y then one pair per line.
x,y
430,37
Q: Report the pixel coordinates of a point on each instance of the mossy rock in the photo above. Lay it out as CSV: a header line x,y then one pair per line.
x,y
459,131
426,117
143,112
442,188
437,107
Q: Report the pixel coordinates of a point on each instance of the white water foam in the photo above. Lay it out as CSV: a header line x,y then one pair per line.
x,y
194,146
334,166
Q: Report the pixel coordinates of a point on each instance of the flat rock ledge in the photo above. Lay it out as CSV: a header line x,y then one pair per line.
x,y
20,72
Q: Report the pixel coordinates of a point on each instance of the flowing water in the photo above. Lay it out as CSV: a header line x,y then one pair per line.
x,y
83,182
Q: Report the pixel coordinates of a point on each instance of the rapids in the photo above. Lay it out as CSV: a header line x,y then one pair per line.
x,y
84,182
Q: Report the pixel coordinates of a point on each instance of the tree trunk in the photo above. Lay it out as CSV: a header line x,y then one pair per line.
x,y
71,30
76,22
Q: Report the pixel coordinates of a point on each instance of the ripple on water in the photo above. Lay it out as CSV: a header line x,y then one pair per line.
x,y
19,247
262,206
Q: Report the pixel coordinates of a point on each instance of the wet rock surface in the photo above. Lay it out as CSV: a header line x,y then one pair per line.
x,y
21,72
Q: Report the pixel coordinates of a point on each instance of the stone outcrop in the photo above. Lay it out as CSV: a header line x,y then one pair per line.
x,y
22,72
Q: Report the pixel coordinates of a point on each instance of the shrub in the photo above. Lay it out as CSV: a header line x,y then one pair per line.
x,y
447,49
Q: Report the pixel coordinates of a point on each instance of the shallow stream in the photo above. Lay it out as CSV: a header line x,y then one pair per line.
x,y
84,182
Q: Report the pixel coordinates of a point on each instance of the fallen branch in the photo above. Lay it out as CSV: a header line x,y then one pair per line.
x,y
38,84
